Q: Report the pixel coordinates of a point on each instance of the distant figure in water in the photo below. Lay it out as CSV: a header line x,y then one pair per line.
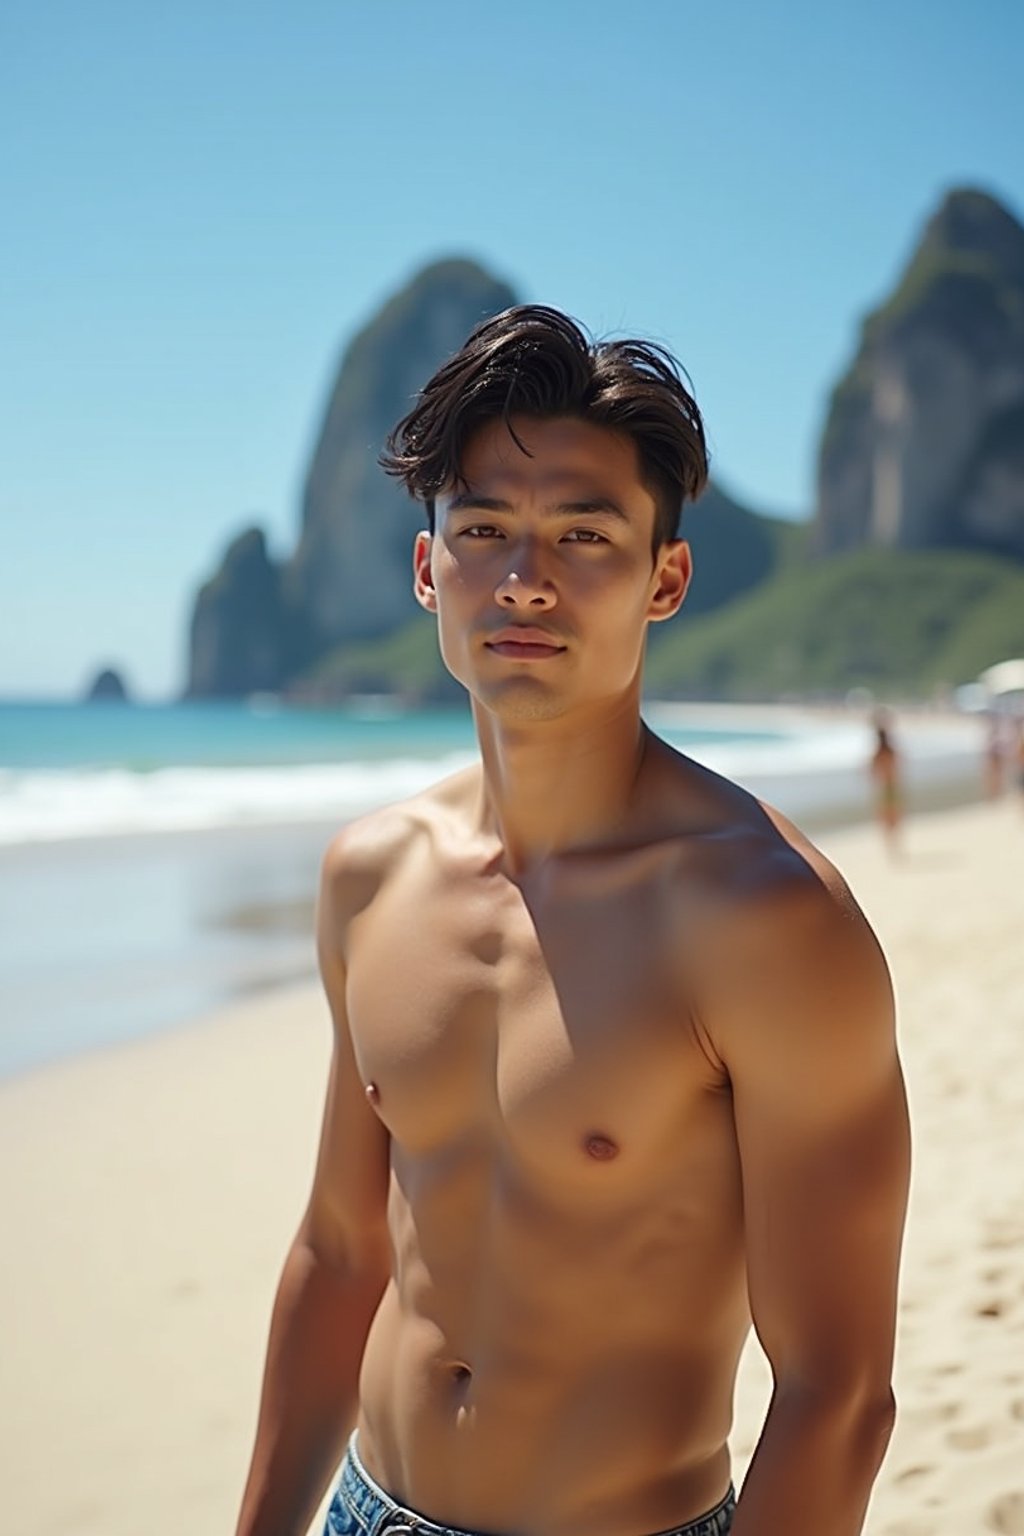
x,y
885,770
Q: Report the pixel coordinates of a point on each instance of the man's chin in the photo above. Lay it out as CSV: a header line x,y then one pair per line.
x,y
517,700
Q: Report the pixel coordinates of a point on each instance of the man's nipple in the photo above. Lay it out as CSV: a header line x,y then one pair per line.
x,y
600,1147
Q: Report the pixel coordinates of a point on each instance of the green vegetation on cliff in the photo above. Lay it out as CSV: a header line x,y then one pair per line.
x,y
406,663
734,549
901,622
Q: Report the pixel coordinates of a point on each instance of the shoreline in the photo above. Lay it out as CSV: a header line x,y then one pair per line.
x,y
156,928
154,1186
784,747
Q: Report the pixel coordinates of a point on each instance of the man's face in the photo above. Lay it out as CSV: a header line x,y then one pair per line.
x,y
540,568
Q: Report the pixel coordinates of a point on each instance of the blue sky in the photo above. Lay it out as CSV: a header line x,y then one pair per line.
x,y
202,202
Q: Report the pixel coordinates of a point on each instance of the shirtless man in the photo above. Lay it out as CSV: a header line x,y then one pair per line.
x,y
614,1064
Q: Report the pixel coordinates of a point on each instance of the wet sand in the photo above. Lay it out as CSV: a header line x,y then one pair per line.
x,y
147,1194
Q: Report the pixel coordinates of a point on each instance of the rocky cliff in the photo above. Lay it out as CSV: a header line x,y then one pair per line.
x,y
240,640
325,619
258,626
352,572
924,440
107,687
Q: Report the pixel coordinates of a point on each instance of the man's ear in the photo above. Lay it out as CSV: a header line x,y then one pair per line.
x,y
675,567
422,576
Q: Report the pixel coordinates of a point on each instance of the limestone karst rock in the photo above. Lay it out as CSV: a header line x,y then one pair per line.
x,y
924,441
351,575
238,639
107,687
259,626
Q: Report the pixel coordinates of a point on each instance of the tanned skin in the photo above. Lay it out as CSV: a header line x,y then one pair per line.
x,y
614,1071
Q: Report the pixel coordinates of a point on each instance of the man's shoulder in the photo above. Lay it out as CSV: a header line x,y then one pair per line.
x,y
759,877
372,848
779,889
775,930
785,878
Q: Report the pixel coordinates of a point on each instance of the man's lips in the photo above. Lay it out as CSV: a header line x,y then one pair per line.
x,y
524,643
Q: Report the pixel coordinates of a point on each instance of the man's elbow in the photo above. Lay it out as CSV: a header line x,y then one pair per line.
x,y
861,1415
878,1419
873,1418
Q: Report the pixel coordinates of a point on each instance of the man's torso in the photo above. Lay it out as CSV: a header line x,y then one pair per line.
x,y
568,1300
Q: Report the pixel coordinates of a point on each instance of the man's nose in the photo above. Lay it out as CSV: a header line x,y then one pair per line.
x,y
524,584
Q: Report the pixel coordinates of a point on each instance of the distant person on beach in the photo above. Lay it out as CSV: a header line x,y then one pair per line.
x,y
614,1062
885,771
996,754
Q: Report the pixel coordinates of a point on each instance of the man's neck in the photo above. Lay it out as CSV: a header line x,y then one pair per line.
x,y
554,786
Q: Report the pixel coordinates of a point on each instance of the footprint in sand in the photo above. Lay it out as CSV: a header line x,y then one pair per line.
x,y
996,1308
1000,1239
1006,1515
973,1437
1017,1408
912,1474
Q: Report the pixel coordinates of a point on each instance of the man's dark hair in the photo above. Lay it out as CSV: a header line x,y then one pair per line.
x,y
535,361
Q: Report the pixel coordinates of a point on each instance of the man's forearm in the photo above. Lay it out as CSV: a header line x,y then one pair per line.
x,y
814,1467
310,1387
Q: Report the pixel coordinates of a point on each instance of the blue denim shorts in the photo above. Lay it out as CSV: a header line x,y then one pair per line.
x,y
360,1507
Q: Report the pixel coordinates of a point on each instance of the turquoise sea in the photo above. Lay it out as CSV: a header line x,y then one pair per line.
x,y
85,770
157,860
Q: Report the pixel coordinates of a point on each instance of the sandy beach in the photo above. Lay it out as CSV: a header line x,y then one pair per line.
x,y
147,1195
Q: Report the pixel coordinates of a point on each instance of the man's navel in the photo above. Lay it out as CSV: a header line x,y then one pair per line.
x,y
600,1147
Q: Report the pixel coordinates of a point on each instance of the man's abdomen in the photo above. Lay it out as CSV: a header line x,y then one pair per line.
x,y
562,1427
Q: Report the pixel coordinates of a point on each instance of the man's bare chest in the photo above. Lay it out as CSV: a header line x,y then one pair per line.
x,y
476,1009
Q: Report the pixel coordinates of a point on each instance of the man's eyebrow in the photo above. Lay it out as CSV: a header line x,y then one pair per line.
x,y
477,503
590,506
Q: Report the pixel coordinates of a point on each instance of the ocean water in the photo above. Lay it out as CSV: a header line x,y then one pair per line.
x,y
99,770
90,770
156,861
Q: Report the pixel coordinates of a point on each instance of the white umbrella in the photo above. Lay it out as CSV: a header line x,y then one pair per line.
x,y
1004,677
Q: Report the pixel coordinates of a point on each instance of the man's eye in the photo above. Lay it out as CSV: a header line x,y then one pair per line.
x,y
585,536
481,531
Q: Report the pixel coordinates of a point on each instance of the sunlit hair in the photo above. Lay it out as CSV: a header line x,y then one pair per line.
x,y
535,361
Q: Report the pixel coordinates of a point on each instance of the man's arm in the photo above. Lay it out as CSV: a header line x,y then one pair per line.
x,y
334,1274
804,1026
